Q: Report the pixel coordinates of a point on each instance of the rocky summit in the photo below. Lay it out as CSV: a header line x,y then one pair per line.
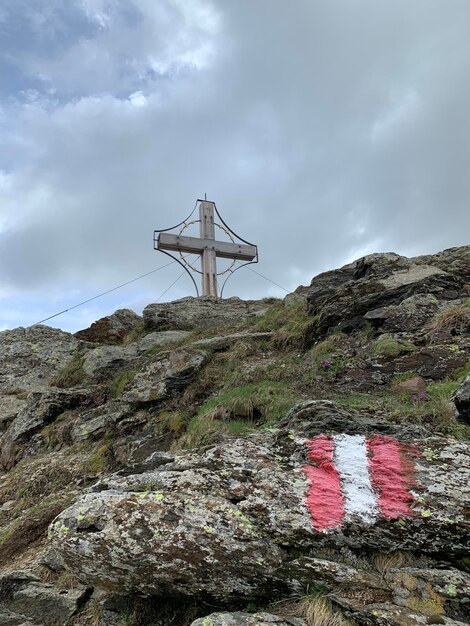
x,y
303,462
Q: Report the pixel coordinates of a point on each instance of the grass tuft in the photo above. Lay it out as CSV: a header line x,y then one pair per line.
x,y
238,411
120,382
72,374
315,610
289,324
456,319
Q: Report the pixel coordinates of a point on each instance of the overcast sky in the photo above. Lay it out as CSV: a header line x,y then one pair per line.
x,y
323,130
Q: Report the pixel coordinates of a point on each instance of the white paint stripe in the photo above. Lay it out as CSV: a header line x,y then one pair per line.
x,y
350,457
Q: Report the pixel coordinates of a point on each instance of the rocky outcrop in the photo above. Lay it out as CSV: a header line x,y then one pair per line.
x,y
390,291
224,521
112,328
192,313
30,357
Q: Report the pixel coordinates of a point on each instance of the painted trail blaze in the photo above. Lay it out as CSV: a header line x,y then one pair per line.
x,y
351,477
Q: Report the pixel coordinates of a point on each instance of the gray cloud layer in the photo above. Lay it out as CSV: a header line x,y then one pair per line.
x,y
323,130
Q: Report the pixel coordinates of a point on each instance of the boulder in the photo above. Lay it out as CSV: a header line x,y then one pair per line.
x,y
461,399
112,328
412,385
226,520
388,290
193,313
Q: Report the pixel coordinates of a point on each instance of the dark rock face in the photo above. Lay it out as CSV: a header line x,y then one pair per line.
x,y
392,292
112,328
24,597
40,409
192,313
462,401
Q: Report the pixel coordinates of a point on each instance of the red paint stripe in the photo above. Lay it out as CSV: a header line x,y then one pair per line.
x,y
324,498
390,480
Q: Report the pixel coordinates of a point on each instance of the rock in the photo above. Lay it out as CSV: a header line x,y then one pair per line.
x,y
8,505
95,422
41,408
410,315
224,520
24,597
382,287
434,362
461,400
157,339
192,313
166,373
30,357
112,328
28,598
450,584
415,384
226,341
314,417
301,571
52,560
247,619
104,358
109,358
7,618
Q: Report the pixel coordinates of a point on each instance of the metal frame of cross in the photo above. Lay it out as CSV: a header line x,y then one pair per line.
x,y
206,246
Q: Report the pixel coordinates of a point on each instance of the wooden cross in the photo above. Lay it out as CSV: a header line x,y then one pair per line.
x,y
207,247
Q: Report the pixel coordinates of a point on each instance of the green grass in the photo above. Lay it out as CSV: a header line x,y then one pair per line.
x,y
120,382
437,412
97,461
72,374
135,333
268,397
289,324
461,373
238,411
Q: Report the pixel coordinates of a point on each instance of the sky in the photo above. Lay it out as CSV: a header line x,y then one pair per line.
x,y
323,129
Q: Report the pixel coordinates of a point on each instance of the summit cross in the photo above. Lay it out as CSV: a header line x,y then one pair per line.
x,y
207,247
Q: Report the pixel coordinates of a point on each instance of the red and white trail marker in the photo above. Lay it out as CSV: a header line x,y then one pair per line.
x,y
352,477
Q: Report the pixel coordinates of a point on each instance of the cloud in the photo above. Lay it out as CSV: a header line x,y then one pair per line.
x,y
323,133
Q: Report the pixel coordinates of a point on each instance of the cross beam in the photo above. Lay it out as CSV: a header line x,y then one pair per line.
x,y
207,247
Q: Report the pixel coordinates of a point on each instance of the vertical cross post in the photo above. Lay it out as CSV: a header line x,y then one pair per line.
x,y
209,254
